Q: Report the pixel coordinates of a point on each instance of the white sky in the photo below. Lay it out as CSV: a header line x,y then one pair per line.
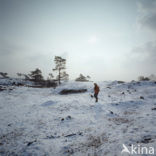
x,y
106,39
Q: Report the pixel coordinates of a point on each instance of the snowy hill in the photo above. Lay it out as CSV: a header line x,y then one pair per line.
x,y
14,81
40,121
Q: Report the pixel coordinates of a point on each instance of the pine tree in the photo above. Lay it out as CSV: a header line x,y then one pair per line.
x,y
4,75
36,75
64,76
81,78
60,66
50,76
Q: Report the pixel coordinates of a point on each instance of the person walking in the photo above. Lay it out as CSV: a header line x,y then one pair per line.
x,y
96,91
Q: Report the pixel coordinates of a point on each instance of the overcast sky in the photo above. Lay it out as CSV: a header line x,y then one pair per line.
x,y
106,39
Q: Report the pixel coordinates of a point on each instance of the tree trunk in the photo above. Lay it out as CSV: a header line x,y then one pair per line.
x,y
59,77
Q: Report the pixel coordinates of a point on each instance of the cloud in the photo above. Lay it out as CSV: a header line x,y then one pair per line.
x,y
148,21
141,60
9,49
146,5
147,14
146,52
16,57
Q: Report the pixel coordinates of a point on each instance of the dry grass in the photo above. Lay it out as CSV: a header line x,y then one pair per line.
x,y
119,120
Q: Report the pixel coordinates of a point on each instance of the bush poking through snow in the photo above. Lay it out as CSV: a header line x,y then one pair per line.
x,y
147,139
154,108
141,97
120,82
119,120
72,91
2,88
94,142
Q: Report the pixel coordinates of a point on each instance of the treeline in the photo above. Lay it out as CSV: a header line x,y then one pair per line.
x,y
147,78
60,70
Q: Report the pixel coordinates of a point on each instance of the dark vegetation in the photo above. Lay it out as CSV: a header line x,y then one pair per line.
x,y
82,78
143,78
120,82
2,88
72,91
60,66
4,75
38,81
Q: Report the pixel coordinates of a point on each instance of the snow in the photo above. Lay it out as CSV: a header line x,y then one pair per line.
x,y
10,81
39,121
48,103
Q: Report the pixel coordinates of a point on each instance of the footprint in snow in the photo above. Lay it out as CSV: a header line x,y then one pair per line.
x,y
48,103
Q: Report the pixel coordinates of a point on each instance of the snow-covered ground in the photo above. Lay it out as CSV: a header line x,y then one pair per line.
x,y
40,122
14,81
